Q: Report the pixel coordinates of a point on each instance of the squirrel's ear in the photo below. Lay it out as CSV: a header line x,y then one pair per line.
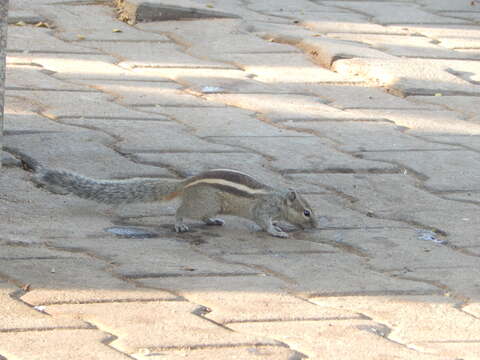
x,y
291,195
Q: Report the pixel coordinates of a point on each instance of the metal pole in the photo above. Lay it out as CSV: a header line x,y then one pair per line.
x,y
3,48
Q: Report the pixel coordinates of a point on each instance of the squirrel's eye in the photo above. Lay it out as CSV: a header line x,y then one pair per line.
x,y
306,213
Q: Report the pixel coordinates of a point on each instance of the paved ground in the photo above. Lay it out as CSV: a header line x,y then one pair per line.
x,y
370,108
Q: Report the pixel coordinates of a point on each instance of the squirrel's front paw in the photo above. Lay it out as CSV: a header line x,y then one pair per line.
x,y
277,232
214,221
179,228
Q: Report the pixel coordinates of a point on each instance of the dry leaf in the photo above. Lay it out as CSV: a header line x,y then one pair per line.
x,y
117,31
20,23
80,37
42,24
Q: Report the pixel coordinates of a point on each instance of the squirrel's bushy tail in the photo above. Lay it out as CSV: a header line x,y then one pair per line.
x,y
103,191
108,191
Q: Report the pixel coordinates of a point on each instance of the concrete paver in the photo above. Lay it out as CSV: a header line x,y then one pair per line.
x,y
396,13
76,23
155,325
446,170
17,316
367,108
249,298
353,339
379,136
302,159
425,122
236,352
59,344
424,210
407,76
319,275
325,51
29,77
461,104
402,46
404,316
352,97
30,39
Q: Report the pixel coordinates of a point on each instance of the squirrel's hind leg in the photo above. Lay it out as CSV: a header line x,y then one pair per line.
x,y
198,203
213,221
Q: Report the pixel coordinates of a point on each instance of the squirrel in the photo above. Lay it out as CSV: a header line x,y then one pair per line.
x,y
204,196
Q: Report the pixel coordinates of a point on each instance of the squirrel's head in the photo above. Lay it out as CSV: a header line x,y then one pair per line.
x,y
298,211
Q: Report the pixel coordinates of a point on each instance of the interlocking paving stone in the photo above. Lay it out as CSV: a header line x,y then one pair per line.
x,y
203,40
18,316
245,299
238,352
467,105
396,13
285,6
145,136
425,122
143,54
446,170
283,106
204,81
450,36
30,39
402,249
155,257
471,142
225,121
464,15
73,66
144,93
325,23
156,325
473,308
83,105
27,124
63,278
445,5
59,344
330,274
344,96
375,135
234,243
358,339
401,45
305,153
77,21
325,51
467,196
25,224
460,279
192,163
420,322
165,10
407,76
83,151
28,77
277,68
422,210
466,70
385,230
27,16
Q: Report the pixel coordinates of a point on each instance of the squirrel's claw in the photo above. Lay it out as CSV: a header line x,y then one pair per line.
x,y
179,228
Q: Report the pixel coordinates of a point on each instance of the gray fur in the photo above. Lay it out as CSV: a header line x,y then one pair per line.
x,y
108,191
204,196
